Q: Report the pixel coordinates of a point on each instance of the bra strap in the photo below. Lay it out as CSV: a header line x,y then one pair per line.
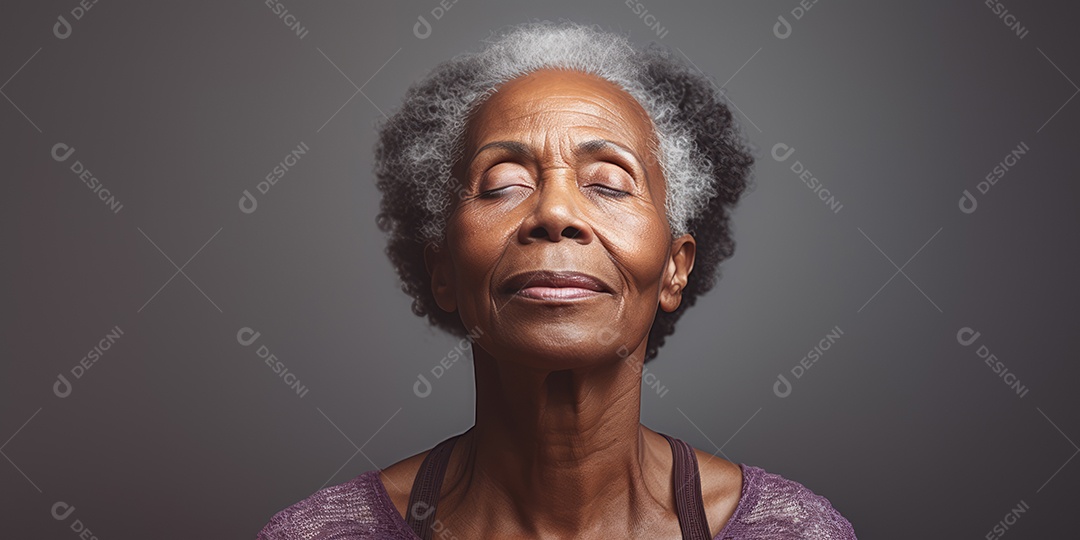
x,y
423,499
687,483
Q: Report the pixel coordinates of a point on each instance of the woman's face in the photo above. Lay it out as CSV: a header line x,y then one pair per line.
x,y
558,249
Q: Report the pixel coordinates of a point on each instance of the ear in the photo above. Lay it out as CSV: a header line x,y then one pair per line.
x,y
677,272
441,269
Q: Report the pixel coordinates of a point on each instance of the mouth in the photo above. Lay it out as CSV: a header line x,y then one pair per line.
x,y
555,285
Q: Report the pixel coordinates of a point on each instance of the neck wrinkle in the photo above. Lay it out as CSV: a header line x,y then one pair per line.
x,y
558,452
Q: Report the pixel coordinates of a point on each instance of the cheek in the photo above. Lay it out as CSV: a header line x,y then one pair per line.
x,y
638,242
477,245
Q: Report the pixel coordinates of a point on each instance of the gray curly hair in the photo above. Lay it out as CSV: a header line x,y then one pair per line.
x,y
705,160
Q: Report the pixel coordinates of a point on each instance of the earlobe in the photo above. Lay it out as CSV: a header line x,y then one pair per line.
x,y
677,272
438,268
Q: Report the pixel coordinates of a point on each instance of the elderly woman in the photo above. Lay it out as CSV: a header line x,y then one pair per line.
x,y
560,197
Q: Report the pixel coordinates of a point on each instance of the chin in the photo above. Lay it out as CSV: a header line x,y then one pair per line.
x,y
555,350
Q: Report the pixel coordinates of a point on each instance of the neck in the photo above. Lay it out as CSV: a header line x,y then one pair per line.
x,y
558,452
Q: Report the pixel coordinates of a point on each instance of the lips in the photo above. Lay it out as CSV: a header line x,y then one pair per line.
x,y
554,285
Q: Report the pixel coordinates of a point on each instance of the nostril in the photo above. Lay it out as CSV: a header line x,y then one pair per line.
x,y
542,232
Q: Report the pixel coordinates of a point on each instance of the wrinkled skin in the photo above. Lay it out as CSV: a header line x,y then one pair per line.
x,y
537,195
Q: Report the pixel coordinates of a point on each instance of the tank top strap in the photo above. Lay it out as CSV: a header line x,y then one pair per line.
x,y
424,496
687,483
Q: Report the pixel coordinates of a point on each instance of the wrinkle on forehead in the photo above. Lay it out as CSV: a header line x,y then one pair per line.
x,y
545,100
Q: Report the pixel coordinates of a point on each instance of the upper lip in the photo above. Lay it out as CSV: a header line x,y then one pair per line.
x,y
554,278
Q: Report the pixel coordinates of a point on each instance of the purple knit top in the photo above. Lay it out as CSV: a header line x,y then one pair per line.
x,y
770,506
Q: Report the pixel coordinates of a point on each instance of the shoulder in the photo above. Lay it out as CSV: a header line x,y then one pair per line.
x,y
721,487
359,508
772,506
397,479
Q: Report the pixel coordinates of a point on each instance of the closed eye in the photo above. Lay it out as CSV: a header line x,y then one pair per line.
x,y
609,179
493,193
608,190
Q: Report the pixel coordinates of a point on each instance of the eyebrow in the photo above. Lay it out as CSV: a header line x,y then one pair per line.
x,y
598,145
592,146
513,147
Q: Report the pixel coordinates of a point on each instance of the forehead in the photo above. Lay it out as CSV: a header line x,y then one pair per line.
x,y
557,102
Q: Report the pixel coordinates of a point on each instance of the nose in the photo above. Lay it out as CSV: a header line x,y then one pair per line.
x,y
557,213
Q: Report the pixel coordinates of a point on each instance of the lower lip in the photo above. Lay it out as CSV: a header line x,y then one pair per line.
x,y
557,293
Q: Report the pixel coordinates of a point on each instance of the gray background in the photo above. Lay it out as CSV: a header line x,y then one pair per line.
x,y
178,431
